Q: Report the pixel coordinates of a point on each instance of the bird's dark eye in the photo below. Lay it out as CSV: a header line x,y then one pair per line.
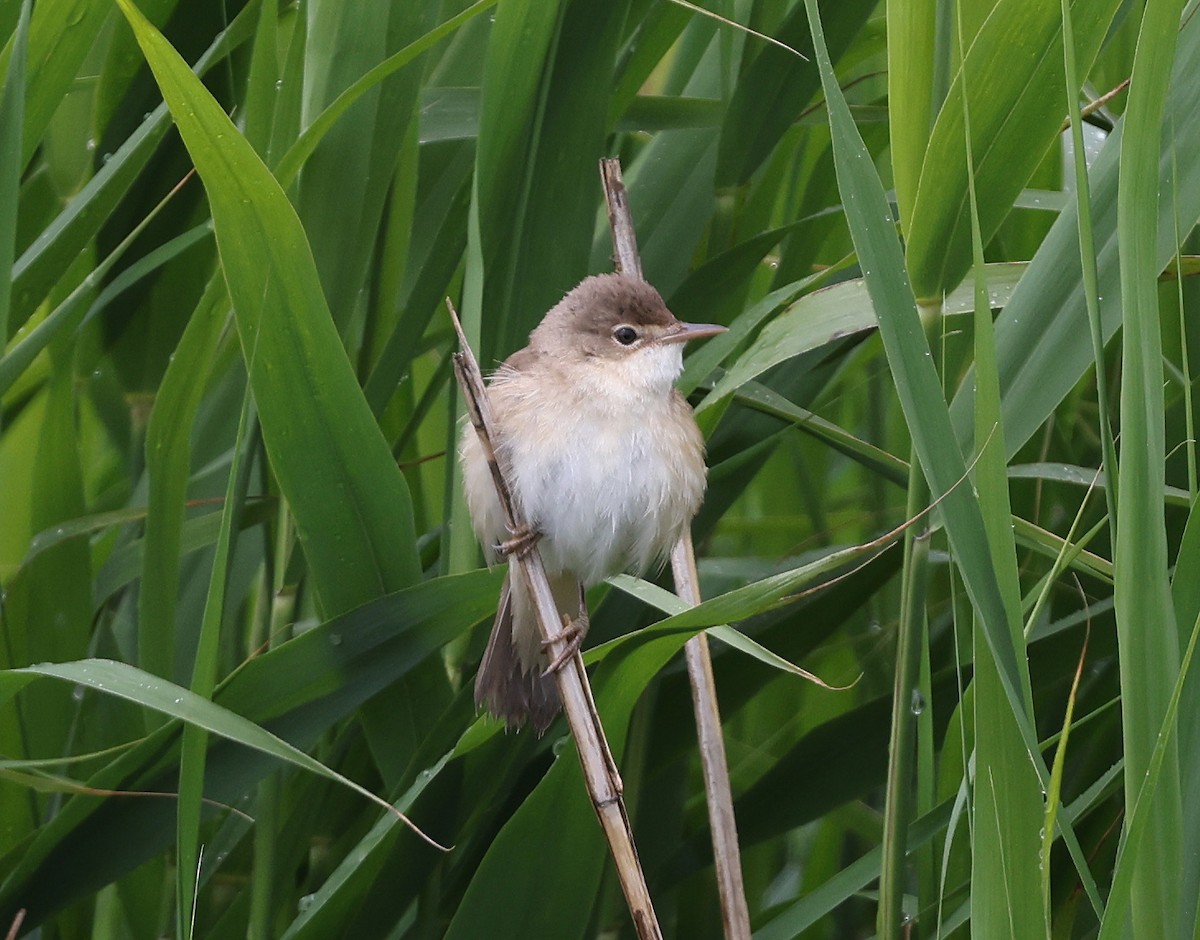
x,y
625,335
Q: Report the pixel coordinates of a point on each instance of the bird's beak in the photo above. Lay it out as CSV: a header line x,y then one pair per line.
x,y
686,331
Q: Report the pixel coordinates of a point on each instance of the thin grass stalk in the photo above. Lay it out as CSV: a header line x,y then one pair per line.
x,y
1054,791
626,257
12,119
268,793
599,769
925,862
727,858
1087,258
194,747
890,918
15,927
1189,417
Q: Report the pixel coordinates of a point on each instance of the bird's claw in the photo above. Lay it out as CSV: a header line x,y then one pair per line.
x,y
521,543
572,635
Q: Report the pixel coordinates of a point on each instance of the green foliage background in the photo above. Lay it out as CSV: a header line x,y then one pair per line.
x,y
240,594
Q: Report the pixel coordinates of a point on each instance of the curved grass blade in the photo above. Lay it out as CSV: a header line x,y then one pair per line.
x,y
852,879
669,603
351,504
300,689
70,314
125,564
166,698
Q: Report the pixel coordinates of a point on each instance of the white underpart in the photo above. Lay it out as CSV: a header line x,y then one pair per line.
x,y
601,470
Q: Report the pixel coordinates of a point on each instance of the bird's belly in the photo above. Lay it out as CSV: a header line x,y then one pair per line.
x,y
607,500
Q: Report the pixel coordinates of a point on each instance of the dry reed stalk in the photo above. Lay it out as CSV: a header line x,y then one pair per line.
x,y
727,857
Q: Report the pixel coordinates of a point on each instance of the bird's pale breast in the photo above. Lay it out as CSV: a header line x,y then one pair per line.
x,y
609,476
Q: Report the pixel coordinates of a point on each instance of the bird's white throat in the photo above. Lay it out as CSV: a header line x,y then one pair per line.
x,y
643,374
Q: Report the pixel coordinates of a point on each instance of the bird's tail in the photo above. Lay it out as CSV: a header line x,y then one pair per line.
x,y
510,683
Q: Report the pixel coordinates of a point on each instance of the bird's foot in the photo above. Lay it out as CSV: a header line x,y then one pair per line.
x,y
572,635
523,540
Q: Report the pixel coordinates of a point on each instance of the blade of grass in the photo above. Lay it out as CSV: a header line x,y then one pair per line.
x,y
351,504
298,154
60,34
826,315
849,881
1185,593
168,466
1008,801
911,27
12,120
134,685
1147,636
1054,791
344,188
774,87
1189,417
70,313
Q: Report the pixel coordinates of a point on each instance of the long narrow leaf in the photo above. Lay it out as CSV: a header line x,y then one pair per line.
x,y
351,503
1146,631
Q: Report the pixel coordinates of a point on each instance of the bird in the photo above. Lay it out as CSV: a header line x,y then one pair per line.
x,y
604,461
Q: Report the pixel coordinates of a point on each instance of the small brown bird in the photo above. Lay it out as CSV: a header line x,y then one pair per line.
x,y
605,463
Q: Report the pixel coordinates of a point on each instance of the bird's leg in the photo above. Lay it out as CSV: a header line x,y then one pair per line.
x,y
522,541
574,630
